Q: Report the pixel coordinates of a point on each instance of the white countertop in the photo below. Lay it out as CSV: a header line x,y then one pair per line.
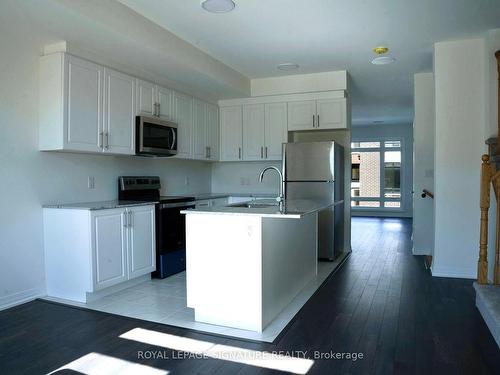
x,y
292,209
199,197
101,205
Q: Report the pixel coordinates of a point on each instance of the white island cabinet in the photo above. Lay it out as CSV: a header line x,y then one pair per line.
x,y
94,249
245,265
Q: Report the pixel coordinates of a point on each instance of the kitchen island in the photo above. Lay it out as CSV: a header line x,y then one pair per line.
x,y
246,262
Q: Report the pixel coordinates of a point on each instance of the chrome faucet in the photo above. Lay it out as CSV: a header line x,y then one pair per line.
x,y
281,196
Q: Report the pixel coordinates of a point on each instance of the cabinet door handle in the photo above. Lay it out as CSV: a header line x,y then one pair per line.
x,y
125,219
209,152
130,219
239,152
158,109
261,152
101,139
318,121
266,152
106,137
313,122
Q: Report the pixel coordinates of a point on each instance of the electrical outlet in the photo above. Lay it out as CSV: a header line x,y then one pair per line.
x,y
91,182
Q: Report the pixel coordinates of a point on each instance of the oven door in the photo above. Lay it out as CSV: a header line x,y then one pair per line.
x,y
171,227
155,137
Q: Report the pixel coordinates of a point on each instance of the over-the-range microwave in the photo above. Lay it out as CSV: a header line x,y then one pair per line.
x,y
155,137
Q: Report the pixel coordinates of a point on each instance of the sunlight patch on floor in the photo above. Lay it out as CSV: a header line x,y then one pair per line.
x,y
223,352
98,364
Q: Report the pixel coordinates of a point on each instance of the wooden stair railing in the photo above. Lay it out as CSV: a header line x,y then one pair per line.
x,y
490,174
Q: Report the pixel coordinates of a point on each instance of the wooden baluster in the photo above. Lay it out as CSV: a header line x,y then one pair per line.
x,y
482,264
496,267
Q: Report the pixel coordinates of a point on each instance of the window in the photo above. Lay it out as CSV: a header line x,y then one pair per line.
x,y
376,174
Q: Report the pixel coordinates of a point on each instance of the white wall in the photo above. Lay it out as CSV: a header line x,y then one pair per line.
x,y
405,132
461,116
492,45
423,164
30,178
243,177
298,83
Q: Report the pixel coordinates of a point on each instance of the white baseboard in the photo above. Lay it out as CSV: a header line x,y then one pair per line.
x,y
452,273
12,300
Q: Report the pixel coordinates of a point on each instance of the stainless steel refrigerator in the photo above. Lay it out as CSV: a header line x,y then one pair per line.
x,y
315,170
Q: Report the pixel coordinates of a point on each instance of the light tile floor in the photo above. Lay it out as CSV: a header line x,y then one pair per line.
x,y
164,301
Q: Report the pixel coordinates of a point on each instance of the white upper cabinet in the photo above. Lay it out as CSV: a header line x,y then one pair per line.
x,y
231,133
183,116
85,107
275,130
264,130
212,132
154,100
331,114
205,131
253,132
141,240
199,129
145,98
164,99
83,82
118,136
317,114
301,115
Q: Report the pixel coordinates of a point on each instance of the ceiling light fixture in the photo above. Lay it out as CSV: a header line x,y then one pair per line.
x,y
288,66
382,60
218,6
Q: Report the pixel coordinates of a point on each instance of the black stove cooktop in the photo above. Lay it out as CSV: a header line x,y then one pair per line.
x,y
175,198
146,188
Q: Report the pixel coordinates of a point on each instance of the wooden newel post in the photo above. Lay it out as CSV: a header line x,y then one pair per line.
x,y
496,266
482,264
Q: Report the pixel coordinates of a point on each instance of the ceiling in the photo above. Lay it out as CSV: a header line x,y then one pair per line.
x,y
326,35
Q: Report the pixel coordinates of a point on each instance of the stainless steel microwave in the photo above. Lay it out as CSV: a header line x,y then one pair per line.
x,y
155,137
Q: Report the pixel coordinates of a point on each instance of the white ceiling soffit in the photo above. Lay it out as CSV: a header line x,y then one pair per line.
x,y
117,34
329,35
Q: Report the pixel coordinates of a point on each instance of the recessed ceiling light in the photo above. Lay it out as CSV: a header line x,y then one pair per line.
x,y
218,6
288,66
382,58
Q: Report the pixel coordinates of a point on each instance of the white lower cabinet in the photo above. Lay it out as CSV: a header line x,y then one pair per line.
x,y
109,242
87,251
141,242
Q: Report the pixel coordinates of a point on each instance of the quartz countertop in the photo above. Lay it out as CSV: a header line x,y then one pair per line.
x,y
101,205
200,197
292,208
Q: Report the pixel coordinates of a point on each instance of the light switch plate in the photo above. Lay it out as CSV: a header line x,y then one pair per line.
x,y
91,182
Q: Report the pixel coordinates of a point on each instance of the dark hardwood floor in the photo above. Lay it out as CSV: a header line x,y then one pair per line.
x,y
382,303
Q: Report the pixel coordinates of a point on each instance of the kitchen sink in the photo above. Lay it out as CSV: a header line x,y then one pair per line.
x,y
254,205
